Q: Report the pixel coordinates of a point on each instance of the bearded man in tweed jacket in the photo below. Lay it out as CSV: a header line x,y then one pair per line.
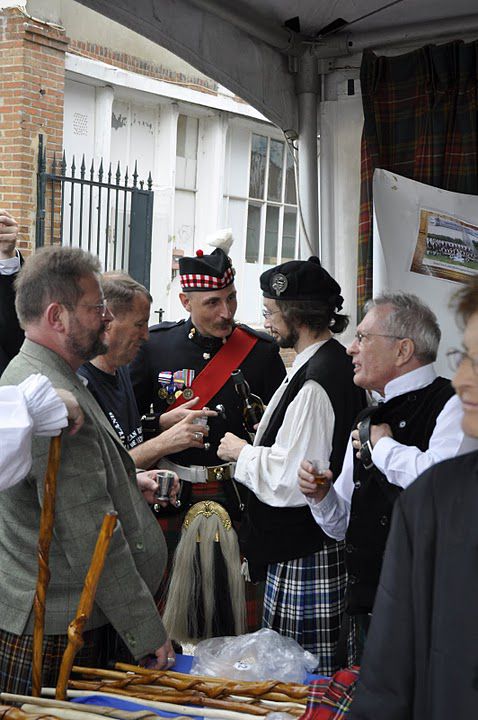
x,y
61,307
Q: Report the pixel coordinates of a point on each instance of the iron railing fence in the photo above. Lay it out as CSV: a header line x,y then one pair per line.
x,y
108,213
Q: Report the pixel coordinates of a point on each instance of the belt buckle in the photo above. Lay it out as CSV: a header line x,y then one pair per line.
x,y
217,473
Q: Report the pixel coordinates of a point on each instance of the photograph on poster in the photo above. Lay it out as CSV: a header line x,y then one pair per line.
x,y
446,247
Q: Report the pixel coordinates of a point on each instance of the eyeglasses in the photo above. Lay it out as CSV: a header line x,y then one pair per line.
x,y
359,336
101,308
456,357
266,314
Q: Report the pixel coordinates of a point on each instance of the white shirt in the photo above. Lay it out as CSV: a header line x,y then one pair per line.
x,y
31,408
307,431
10,266
401,464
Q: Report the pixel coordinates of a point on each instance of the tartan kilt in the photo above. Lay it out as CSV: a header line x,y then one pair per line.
x,y
305,600
16,654
330,699
171,526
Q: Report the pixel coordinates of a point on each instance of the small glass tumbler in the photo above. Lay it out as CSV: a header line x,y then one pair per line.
x,y
318,471
165,480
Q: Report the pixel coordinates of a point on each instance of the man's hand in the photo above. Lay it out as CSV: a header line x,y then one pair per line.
x,y
148,485
376,432
307,482
8,235
379,431
75,413
170,418
162,659
186,433
230,447
165,657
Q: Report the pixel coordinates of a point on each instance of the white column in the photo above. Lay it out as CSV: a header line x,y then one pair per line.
x,y
210,176
104,97
163,213
307,91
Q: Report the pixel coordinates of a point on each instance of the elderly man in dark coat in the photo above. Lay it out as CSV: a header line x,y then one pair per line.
x,y
421,658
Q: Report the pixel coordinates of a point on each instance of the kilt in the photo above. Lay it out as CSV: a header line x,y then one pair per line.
x,y
305,600
16,652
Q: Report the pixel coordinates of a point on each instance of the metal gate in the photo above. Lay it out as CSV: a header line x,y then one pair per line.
x,y
97,211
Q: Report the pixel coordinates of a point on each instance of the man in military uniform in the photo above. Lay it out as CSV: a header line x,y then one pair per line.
x,y
179,355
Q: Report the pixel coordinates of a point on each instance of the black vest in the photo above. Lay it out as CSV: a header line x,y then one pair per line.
x,y
276,534
11,334
412,418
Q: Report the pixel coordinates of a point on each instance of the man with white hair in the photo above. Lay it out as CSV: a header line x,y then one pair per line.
x,y
416,424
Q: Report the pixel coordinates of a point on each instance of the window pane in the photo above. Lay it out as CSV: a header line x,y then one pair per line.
x,y
276,161
253,233
272,235
289,232
258,166
181,137
290,196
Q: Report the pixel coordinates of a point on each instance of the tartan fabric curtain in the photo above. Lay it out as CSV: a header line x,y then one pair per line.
x,y
420,121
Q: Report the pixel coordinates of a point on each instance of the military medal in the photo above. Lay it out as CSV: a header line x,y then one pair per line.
x,y
164,381
184,379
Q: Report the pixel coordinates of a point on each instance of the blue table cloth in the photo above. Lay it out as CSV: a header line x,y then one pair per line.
x,y
183,664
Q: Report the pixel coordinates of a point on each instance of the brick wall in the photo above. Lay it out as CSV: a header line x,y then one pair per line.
x,y
138,65
32,80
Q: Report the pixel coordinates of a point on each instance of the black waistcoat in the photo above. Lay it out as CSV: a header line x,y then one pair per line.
x,y
11,334
412,418
276,534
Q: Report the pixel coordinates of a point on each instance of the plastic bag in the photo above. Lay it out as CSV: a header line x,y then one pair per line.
x,y
262,655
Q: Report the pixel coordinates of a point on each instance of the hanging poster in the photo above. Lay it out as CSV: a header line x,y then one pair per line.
x,y
446,246
425,242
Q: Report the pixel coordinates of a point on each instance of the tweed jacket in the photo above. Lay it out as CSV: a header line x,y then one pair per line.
x,y
96,476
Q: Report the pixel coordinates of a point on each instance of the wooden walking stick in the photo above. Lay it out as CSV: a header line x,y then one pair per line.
x,y
44,540
85,605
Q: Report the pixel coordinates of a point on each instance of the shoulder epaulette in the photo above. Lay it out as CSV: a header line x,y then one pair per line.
x,y
256,333
166,325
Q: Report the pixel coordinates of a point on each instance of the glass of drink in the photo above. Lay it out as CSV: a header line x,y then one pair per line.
x,y
319,468
165,480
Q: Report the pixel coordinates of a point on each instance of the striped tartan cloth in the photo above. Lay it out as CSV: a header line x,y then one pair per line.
x,y
420,122
330,698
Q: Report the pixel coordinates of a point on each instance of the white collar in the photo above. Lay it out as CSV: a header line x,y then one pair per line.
x,y
413,380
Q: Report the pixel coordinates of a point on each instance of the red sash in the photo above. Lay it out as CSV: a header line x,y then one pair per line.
x,y
216,373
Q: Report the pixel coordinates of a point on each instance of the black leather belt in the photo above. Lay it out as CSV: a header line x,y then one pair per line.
x,y
365,444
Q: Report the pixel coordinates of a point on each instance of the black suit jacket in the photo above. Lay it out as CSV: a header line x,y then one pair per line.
x,y
421,654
